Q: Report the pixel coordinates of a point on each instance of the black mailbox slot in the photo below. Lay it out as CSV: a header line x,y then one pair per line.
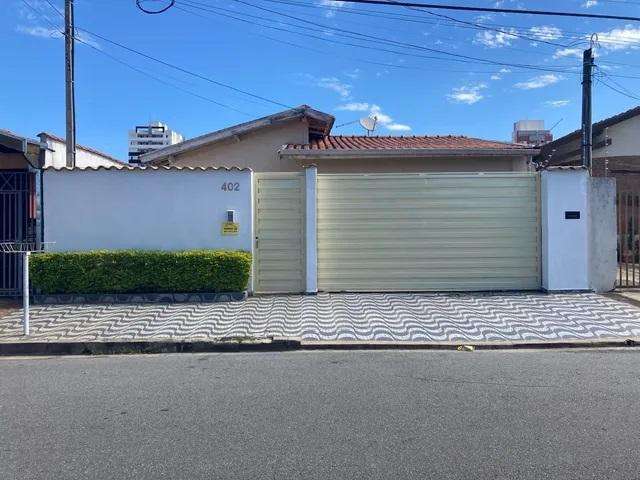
x,y
572,215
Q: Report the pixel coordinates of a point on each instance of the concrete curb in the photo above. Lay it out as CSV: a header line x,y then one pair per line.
x,y
277,344
136,347
479,345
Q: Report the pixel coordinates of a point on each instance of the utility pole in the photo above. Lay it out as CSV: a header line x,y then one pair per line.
x,y
587,127
69,74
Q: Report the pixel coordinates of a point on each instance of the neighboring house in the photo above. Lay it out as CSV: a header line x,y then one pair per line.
x,y
85,156
20,153
616,149
288,140
148,138
21,162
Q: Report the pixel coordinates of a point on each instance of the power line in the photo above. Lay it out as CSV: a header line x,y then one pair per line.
x,y
367,47
132,67
177,87
292,44
366,37
621,89
457,56
582,36
155,12
478,9
509,32
617,90
176,67
496,10
498,30
214,11
184,70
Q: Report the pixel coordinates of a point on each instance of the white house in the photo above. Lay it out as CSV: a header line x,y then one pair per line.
x,y
56,153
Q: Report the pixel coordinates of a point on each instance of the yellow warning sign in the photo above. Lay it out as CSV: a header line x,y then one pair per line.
x,y
230,228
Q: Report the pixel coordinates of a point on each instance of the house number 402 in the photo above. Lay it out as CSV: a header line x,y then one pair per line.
x,y
230,187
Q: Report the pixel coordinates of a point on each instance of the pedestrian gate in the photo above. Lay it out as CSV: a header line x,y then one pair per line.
x,y
279,231
628,210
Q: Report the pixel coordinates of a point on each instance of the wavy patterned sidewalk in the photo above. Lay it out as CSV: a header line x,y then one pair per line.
x,y
391,317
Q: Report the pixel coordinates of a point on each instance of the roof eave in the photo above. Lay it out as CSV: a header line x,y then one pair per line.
x,y
407,153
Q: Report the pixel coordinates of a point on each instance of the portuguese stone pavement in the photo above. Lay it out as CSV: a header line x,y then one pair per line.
x,y
391,317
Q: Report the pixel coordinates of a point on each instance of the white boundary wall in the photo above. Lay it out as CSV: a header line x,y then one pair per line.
x,y
578,254
565,242
603,234
146,209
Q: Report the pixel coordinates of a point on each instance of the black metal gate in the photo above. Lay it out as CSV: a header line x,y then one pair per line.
x,y
17,224
628,204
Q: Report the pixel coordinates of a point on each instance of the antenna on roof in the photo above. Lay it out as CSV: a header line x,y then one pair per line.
x,y
369,124
556,124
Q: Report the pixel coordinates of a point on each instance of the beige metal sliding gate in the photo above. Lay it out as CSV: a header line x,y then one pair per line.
x,y
279,230
427,232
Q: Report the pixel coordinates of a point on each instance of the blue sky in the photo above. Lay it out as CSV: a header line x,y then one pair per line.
x,y
387,75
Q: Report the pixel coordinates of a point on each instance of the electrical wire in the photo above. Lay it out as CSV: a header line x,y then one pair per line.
x,y
216,11
520,11
621,89
459,57
512,30
132,67
496,10
176,67
154,12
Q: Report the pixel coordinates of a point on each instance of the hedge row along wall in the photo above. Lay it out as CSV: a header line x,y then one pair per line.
x,y
140,271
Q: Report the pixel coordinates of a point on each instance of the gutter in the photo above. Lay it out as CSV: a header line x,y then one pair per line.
x,y
406,153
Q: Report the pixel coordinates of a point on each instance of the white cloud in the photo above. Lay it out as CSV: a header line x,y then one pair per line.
x,y
331,83
45,32
567,52
468,94
500,74
38,31
353,74
354,107
556,103
620,38
590,3
88,39
540,81
493,39
398,127
546,32
382,119
334,4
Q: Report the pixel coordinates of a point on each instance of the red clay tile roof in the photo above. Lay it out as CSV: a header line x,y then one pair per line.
x,y
333,142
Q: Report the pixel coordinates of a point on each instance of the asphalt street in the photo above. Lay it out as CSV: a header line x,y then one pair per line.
x,y
323,415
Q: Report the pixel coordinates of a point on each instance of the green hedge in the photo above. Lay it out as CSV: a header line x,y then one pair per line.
x,y
140,271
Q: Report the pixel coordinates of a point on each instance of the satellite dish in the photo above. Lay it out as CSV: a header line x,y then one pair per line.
x,y
369,124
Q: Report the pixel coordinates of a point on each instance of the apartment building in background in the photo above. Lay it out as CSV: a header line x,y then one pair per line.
x,y
148,138
531,133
